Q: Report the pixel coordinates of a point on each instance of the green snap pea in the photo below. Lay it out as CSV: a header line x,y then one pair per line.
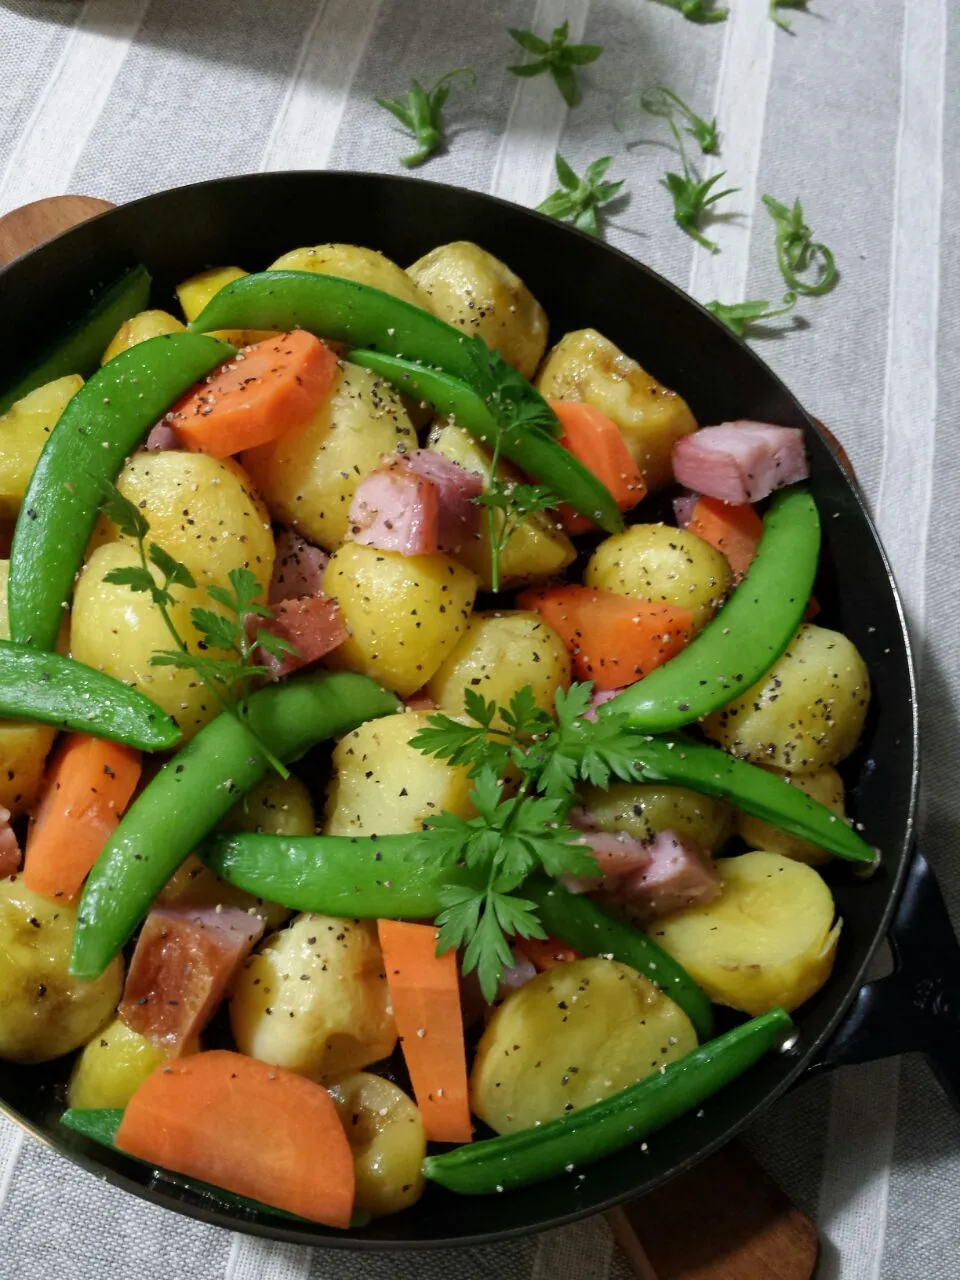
x,y
70,695
567,1144
193,792
80,348
585,926
100,426
529,448
746,637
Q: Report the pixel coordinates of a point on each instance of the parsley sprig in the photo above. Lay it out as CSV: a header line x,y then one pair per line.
x,y
797,251
230,677
556,56
578,199
740,317
421,112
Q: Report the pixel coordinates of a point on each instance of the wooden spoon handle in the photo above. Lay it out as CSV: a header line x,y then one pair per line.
x,y
24,228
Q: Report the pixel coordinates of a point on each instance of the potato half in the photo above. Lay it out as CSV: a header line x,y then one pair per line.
x,y
139,328
354,262
385,1132
645,809
825,786
112,1067
24,745
24,430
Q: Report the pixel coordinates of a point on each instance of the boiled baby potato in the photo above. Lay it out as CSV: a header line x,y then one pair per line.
x,y
202,510
383,786
117,631
195,293
385,1132
808,710
470,288
24,745
144,325
572,1036
769,940
353,262
538,548
309,476
24,429
405,613
663,565
826,786
644,810
499,655
112,1067
314,998
44,1012
587,366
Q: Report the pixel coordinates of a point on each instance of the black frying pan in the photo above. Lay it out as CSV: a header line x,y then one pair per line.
x,y
581,282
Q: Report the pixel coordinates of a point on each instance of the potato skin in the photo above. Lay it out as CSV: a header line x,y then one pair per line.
x,y
572,1036
354,262
202,510
585,365
769,940
645,809
470,288
405,613
808,710
44,1012
24,429
826,786
314,998
664,565
112,1067
499,654
144,325
308,477
196,292
385,1132
383,786
24,746
538,548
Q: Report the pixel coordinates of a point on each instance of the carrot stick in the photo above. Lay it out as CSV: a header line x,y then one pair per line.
x,y
597,442
249,1127
613,640
89,784
426,1005
263,392
734,529
545,953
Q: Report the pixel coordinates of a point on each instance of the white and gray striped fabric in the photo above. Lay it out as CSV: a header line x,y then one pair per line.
x,y
859,113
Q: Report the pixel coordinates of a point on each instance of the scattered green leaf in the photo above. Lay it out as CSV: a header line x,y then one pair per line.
x,y
698,11
556,56
777,5
692,199
798,253
742,316
664,102
578,199
421,112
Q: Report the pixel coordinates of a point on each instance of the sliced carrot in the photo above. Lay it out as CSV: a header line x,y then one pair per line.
x,y
247,1126
596,441
263,392
613,640
734,529
88,785
545,953
426,1005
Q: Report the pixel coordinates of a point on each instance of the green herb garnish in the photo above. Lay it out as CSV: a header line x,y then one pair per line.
x,y
578,199
664,102
557,57
421,112
742,316
692,198
798,252
777,5
696,10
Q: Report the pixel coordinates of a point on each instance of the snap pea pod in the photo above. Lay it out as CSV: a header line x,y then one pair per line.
x,y
585,926
746,637
100,426
567,1144
69,695
194,790
80,348
529,448
363,876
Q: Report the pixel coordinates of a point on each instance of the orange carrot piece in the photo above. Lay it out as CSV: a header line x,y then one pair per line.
x,y
263,392
89,784
734,529
426,1004
247,1126
597,442
613,640
545,953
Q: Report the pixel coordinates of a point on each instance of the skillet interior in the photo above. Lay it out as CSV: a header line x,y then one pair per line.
x,y
580,282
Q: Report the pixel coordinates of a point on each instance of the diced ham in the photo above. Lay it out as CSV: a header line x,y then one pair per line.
x,y
10,855
617,852
298,568
740,461
420,701
678,874
394,509
459,515
312,624
683,508
597,699
162,438
182,968
515,975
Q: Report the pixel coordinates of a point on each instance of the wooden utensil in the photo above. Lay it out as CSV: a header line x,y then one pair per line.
x,y
32,224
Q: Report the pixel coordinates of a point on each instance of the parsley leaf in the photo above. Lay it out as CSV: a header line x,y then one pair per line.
x,y
578,199
797,251
740,317
692,198
421,112
558,57
662,101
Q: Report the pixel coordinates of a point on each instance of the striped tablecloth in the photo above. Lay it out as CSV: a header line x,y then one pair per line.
x,y
858,112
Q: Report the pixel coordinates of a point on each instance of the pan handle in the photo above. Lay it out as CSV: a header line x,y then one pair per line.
x,y
917,1008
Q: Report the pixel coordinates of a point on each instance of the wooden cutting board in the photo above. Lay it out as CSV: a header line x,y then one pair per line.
x,y
726,1219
